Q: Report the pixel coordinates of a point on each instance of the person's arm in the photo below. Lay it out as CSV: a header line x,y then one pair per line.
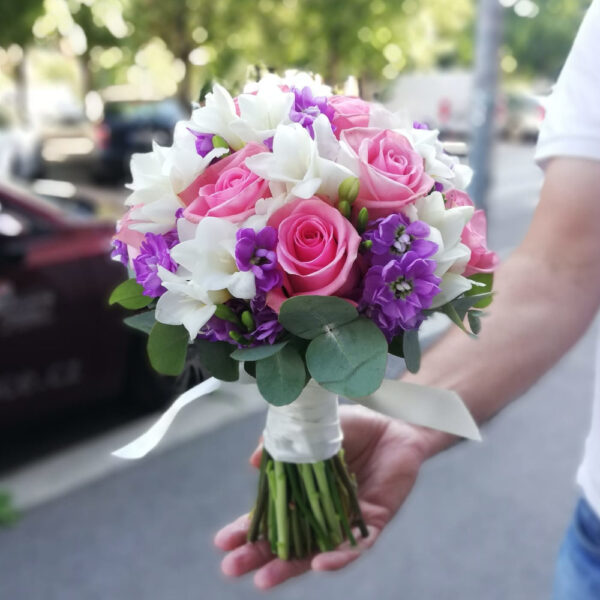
x,y
548,292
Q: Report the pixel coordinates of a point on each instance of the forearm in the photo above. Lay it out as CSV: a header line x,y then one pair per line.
x,y
547,294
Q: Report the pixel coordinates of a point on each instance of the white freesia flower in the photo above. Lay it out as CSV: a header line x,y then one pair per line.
x,y
207,275
295,162
261,113
160,175
291,78
452,256
217,116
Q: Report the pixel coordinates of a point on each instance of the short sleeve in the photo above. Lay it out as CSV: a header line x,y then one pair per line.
x,y
572,123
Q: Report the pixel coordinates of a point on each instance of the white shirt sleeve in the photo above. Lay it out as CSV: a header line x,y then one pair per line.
x,y
572,123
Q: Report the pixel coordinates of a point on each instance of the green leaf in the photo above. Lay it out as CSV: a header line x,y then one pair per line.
x,y
257,353
142,321
8,514
281,377
396,347
167,348
129,294
463,304
452,314
474,321
350,359
250,368
488,280
309,316
216,358
412,350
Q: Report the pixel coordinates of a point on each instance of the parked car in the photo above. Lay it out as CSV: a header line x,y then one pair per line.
x,y
129,127
524,116
61,346
20,148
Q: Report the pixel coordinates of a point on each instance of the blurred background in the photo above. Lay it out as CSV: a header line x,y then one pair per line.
x,y
86,83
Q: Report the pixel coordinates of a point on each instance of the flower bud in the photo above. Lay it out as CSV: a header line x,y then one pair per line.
x,y
248,320
366,245
344,208
348,190
239,338
219,142
362,219
224,312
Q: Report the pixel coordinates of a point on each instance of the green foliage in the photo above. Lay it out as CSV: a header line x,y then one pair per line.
x,y
541,44
216,358
142,322
309,316
8,514
129,294
257,353
167,348
411,350
349,359
487,279
281,377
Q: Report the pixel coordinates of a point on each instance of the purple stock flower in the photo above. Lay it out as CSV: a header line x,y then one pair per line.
x,y
154,251
120,252
269,143
268,327
203,141
394,235
420,125
256,252
396,294
307,108
438,187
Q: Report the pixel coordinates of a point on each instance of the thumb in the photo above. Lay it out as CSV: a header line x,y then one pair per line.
x,y
256,455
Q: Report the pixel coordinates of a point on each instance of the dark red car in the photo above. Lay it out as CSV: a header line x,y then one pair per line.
x,y
60,344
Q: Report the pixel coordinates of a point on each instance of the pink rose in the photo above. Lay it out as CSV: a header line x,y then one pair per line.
x,y
317,250
391,172
349,112
132,238
227,189
457,198
474,236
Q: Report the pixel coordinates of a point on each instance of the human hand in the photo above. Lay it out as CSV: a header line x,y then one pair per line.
x,y
384,454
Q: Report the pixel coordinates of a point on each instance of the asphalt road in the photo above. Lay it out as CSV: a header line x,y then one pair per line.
x,y
484,521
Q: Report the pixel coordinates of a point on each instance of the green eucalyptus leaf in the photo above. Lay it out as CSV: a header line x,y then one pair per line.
x,y
129,294
250,368
309,316
452,314
167,348
257,353
350,359
396,346
142,321
463,303
281,377
474,321
412,350
216,358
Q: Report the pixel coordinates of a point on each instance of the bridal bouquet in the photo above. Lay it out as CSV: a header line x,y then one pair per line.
x,y
305,236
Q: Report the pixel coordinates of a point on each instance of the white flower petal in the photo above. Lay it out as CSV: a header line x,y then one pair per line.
x,y
452,285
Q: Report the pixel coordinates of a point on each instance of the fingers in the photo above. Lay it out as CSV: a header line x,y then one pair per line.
x,y
246,558
256,455
345,553
233,535
277,571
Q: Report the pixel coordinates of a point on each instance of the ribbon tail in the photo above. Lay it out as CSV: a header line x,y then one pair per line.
x,y
151,438
431,407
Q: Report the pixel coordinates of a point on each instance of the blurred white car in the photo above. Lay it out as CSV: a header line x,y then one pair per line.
x,y
524,116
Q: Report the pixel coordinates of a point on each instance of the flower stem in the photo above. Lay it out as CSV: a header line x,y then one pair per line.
x,y
332,479
331,516
313,496
342,472
281,509
272,521
261,501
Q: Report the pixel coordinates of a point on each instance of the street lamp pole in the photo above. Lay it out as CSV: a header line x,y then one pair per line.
x,y
487,43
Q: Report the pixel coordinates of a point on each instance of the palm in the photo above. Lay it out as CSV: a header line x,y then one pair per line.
x,y
384,456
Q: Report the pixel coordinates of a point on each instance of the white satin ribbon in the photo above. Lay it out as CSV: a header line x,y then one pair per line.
x,y
305,431
308,430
